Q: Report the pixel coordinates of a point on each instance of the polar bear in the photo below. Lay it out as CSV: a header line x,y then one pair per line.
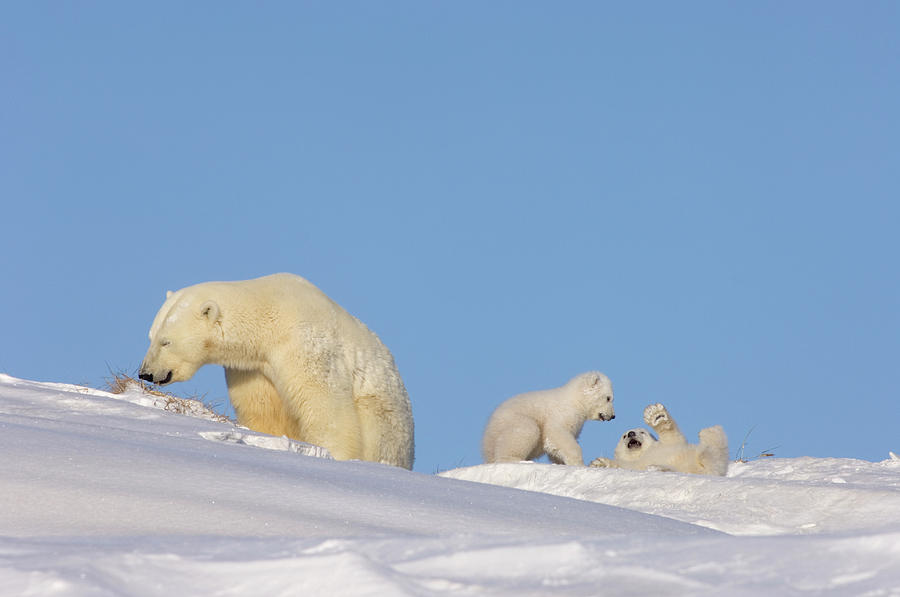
x,y
548,421
296,364
639,450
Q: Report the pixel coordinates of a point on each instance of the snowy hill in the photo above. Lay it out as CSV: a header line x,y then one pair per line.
x,y
108,494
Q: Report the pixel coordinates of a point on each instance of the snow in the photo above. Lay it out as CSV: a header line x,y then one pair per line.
x,y
107,494
766,497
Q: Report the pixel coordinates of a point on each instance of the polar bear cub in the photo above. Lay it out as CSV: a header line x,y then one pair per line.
x,y
548,421
639,450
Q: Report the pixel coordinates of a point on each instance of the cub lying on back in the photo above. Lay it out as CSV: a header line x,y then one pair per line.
x,y
548,421
639,450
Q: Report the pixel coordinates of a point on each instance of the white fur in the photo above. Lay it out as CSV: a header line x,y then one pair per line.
x,y
639,450
296,364
548,421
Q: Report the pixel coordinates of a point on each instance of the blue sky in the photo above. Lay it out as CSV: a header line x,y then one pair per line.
x,y
699,199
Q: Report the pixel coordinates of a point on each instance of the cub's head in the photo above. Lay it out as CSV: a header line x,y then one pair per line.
x,y
633,443
596,393
185,334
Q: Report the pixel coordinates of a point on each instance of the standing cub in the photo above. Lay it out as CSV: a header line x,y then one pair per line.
x,y
548,421
639,450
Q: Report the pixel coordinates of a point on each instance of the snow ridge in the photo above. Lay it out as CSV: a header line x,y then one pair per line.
x,y
107,494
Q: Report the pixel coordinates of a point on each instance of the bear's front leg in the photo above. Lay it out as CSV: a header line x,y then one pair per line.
x,y
325,411
332,422
663,424
562,448
604,463
257,404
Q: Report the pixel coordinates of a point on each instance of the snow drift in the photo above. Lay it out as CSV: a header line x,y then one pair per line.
x,y
108,494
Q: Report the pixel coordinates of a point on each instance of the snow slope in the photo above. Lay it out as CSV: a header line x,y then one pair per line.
x,y
113,495
775,496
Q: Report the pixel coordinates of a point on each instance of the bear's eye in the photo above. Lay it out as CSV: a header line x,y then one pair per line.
x,y
165,342
608,398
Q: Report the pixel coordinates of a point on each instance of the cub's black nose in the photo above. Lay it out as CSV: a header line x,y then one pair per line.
x,y
146,377
631,434
612,417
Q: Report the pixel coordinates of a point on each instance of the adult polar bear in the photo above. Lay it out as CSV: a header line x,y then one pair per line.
x,y
296,364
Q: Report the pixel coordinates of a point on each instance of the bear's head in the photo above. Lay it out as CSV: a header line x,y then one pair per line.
x,y
185,335
596,395
633,443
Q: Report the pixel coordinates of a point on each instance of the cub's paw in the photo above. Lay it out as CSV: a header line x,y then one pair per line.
x,y
657,416
602,463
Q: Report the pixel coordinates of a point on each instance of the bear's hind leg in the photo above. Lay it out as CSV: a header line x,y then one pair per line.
x,y
512,440
714,450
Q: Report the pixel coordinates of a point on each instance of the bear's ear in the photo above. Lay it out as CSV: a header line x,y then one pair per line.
x,y
210,310
169,294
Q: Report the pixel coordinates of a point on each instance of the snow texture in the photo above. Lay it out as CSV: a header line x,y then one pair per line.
x,y
108,494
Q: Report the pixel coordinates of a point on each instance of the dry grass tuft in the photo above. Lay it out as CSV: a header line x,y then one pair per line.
x,y
739,457
120,383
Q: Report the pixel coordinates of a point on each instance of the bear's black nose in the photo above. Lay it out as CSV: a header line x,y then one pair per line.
x,y
631,434
146,377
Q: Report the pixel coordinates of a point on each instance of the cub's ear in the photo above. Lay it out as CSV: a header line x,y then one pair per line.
x,y
594,380
169,293
210,310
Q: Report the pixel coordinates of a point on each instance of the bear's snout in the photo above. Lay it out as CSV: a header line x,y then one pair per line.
x,y
149,377
633,441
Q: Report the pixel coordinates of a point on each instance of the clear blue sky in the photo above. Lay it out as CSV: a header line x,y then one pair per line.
x,y
699,199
